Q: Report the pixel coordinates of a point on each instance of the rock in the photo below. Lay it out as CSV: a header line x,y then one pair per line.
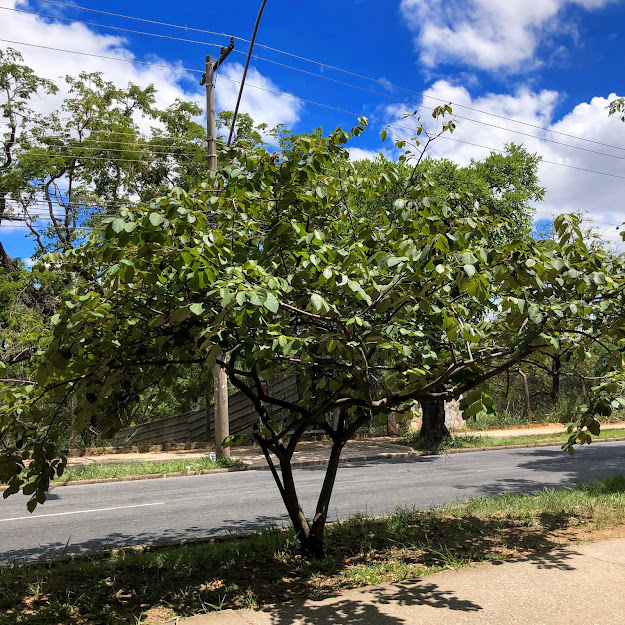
x,y
453,415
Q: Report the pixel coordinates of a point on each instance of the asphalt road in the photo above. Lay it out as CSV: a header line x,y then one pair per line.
x,y
78,519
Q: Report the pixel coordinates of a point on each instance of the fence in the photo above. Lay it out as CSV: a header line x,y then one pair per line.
x,y
197,426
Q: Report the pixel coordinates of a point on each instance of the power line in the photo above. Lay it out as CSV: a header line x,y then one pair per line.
x,y
118,28
141,19
99,158
288,95
328,78
395,125
76,148
334,68
429,108
101,56
146,143
590,171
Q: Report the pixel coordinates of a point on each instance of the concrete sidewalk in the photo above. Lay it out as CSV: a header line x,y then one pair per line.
x,y
579,585
313,452
534,430
307,453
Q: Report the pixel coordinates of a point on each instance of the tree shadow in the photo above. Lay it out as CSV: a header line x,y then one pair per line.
x,y
200,575
550,467
230,529
369,610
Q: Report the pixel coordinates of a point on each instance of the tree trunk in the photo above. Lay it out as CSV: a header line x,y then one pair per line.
x,y
313,546
311,537
433,428
296,514
585,391
5,260
556,366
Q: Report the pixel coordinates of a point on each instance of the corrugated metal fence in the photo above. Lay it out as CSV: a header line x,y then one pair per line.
x,y
195,427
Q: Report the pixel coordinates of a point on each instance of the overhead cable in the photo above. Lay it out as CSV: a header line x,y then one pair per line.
x,y
384,83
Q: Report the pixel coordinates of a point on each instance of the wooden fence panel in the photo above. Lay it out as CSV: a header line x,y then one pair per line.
x,y
192,426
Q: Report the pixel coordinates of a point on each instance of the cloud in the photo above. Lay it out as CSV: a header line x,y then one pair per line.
x,y
487,34
568,189
257,100
170,83
360,154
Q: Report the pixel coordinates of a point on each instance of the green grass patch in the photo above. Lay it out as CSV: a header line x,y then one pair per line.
x,y
471,440
150,585
135,468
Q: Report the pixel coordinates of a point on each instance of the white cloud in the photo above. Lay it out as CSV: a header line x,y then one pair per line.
x,y
567,189
257,100
170,83
360,154
488,34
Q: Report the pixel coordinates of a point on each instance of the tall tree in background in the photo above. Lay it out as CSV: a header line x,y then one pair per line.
x,y
504,185
18,84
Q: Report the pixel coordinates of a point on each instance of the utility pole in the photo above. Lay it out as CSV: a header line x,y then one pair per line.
x,y
220,377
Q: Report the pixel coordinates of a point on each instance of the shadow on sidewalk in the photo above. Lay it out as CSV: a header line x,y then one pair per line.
x,y
369,610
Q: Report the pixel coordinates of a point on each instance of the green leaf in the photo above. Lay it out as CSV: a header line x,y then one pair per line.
x,y
271,303
469,270
317,302
156,219
197,309
594,427
118,225
232,440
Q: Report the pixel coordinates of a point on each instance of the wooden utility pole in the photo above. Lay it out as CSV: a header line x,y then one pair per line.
x,y
220,377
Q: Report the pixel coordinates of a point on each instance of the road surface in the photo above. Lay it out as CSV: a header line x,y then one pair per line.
x,y
78,519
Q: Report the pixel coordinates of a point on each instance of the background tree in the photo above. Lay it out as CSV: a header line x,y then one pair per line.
x,y
617,107
503,185
18,84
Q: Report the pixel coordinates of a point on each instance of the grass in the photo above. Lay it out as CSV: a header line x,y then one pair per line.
x,y
137,468
151,585
470,440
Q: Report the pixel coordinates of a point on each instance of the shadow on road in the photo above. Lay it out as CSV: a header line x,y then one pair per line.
x,y
541,468
115,540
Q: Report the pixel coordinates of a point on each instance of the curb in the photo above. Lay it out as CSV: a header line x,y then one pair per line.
x,y
521,446
312,463
135,478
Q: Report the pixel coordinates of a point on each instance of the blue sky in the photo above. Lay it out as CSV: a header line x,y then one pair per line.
x,y
552,64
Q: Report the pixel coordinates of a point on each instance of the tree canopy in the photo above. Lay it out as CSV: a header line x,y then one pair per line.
x,y
271,262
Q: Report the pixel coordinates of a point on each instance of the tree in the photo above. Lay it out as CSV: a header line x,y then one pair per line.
x,y
505,185
277,272
18,84
617,107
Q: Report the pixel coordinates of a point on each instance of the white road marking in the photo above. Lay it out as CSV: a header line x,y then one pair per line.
x,y
43,516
